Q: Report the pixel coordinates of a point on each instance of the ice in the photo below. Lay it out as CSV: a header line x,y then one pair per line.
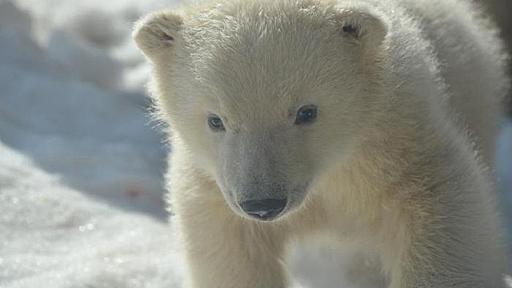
x,y
81,166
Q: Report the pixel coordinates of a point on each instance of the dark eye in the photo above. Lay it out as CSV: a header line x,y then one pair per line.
x,y
215,123
306,114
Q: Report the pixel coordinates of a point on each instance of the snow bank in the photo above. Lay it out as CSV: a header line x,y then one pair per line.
x,y
64,102
84,207
55,236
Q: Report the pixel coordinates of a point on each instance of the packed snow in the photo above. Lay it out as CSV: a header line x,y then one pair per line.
x,y
81,162
56,236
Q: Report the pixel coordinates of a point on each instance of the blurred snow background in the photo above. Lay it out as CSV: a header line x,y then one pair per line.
x,y
80,165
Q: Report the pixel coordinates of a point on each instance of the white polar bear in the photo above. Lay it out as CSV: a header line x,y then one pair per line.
x,y
337,119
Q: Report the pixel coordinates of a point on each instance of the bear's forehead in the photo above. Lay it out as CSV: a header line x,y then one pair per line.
x,y
252,20
219,9
250,42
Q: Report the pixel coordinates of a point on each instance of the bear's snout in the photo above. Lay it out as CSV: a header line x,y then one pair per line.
x,y
265,209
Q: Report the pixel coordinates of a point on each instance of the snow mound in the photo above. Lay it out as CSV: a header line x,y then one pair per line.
x,y
62,238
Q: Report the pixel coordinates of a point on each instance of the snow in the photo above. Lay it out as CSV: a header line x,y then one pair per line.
x,y
81,164
64,103
59,236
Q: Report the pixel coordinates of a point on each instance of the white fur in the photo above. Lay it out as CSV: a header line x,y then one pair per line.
x,y
405,105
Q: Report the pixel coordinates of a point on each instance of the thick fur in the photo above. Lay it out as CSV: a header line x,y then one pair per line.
x,y
395,163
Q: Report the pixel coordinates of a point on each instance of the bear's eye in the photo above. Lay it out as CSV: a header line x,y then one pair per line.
x,y
215,123
306,114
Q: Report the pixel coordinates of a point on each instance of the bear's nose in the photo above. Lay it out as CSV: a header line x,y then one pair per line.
x,y
265,209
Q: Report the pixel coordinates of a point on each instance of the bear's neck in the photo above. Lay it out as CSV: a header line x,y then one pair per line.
x,y
407,163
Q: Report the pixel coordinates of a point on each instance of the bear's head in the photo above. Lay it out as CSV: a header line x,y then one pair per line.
x,y
266,95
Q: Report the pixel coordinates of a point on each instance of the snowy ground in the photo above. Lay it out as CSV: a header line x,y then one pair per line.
x,y
80,165
57,236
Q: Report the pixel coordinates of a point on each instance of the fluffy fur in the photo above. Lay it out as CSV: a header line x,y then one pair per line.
x,y
407,99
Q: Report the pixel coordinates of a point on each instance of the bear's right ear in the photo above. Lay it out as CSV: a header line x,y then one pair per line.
x,y
157,33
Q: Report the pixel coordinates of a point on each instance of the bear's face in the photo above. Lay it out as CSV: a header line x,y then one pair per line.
x,y
265,100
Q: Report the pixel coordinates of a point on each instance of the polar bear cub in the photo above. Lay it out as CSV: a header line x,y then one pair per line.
x,y
364,122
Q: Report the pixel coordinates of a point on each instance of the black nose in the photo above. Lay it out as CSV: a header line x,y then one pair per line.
x,y
266,209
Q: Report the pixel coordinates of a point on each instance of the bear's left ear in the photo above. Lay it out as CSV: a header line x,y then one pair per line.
x,y
157,33
362,26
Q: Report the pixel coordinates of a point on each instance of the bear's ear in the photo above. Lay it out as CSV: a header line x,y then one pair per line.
x,y
362,26
157,33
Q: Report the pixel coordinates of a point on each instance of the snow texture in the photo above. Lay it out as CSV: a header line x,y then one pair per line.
x,y
57,236
81,165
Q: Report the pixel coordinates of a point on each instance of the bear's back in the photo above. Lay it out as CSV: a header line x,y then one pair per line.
x,y
471,61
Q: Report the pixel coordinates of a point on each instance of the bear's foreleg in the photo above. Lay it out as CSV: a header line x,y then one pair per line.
x,y
223,250
456,248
